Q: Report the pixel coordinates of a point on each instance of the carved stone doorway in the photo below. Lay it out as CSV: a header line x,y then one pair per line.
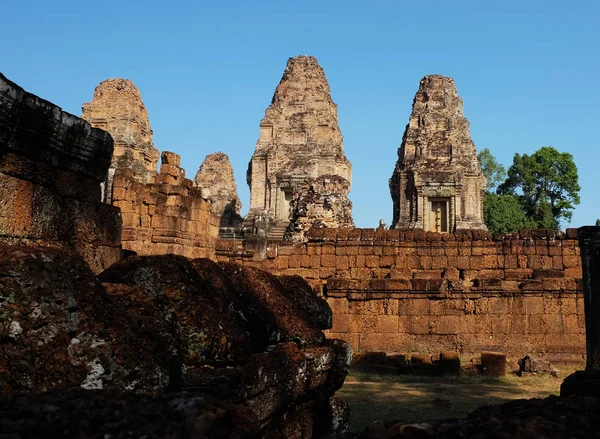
x,y
439,215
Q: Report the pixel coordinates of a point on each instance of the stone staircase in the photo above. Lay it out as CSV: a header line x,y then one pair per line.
x,y
277,231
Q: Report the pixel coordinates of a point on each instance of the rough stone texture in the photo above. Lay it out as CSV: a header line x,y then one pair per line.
x,y
51,167
117,107
437,164
59,328
552,417
299,139
167,217
322,203
166,323
411,291
215,177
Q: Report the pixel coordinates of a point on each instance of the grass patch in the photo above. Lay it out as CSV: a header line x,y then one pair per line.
x,y
422,398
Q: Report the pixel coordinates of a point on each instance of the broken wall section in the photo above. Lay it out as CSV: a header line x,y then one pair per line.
x,y
51,167
169,216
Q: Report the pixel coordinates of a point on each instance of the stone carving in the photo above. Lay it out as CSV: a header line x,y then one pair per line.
x,y
216,178
117,107
437,184
299,139
51,167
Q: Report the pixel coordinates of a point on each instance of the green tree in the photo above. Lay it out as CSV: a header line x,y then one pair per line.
x,y
547,185
504,214
492,170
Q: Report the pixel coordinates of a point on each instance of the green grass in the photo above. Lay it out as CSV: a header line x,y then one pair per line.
x,y
419,398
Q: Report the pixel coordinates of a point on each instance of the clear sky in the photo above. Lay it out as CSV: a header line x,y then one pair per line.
x,y
528,72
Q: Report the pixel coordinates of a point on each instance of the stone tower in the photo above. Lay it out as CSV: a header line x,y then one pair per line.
x,y
117,107
299,140
437,184
217,181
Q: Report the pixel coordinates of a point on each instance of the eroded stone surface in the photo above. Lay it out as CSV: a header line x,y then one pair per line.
x,y
51,167
321,202
437,184
59,328
299,139
217,181
165,323
117,108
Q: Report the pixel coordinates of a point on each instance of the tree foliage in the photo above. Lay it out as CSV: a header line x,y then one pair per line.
x,y
547,185
504,214
492,170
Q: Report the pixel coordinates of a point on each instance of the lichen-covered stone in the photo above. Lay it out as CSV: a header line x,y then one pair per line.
x,y
437,183
217,181
117,108
59,328
299,139
164,323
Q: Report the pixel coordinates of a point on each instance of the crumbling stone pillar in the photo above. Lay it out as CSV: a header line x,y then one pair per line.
x,y
588,382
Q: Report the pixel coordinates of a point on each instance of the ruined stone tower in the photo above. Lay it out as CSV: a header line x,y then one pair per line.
x,y
217,181
117,107
437,184
299,140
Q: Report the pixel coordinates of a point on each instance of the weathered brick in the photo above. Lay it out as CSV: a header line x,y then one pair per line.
x,y
328,260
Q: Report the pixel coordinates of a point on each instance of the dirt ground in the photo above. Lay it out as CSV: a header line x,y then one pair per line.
x,y
419,398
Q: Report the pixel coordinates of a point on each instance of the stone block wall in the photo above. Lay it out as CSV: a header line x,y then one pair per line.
x,y
51,167
167,217
411,291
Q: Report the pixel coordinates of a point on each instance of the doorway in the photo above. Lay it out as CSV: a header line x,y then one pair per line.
x,y
439,219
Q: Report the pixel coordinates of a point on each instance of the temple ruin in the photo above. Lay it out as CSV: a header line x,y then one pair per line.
x,y
162,212
299,140
51,167
215,178
437,184
117,107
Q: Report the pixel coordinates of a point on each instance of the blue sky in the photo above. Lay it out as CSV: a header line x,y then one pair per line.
x,y
527,71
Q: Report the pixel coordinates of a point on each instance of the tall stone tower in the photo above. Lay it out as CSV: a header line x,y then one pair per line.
x,y
217,181
437,184
299,140
117,107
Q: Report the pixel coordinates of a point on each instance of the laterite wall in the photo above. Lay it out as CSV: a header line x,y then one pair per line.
x,y
411,291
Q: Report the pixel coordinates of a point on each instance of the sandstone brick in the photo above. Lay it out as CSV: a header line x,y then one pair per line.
x,y
439,262
313,249
352,250
387,324
574,272
328,260
448,325
341,262
315,261
372,261
328,249
386,261
386,342
340,322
